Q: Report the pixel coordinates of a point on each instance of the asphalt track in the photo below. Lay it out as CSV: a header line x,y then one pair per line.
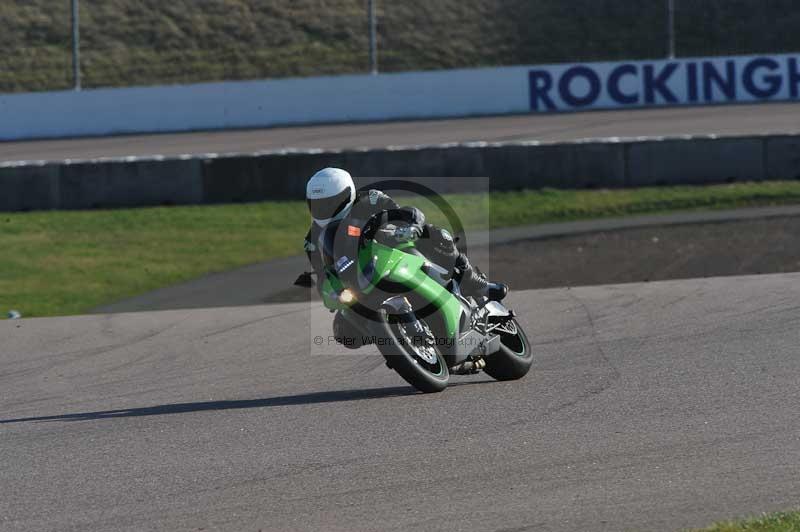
x,y
721,120
650,407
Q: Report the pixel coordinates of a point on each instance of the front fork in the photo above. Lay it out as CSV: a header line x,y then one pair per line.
x,y
377,326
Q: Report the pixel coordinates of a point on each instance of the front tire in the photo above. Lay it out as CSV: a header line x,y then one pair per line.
x,y
514,359
428,373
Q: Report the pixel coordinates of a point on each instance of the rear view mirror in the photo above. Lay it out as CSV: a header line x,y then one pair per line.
x,y
305,280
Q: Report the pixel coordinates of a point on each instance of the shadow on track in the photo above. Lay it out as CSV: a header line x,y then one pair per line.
x,y
183,408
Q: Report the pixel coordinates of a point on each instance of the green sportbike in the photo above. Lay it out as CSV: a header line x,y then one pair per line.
x,y
385,293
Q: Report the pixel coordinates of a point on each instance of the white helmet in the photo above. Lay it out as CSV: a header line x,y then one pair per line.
x,y
330,194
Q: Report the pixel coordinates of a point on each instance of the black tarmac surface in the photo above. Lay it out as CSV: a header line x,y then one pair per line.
x,y
651,406
722,120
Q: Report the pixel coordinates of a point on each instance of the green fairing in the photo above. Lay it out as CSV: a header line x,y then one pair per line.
x,y
404,268
331,287
397,266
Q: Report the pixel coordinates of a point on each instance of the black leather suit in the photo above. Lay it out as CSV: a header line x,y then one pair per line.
x,y
436,244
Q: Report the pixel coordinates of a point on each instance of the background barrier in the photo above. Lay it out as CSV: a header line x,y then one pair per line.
x,y
281,175
251,104
127,43
412,95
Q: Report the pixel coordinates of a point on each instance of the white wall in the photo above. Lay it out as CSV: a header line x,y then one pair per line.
x,y
437,94
263,103
691,81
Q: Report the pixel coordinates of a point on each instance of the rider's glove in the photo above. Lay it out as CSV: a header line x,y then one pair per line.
x,y
407,233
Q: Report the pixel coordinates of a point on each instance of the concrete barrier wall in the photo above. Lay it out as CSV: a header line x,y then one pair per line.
x,y
279,176
267,103
436,94
698,161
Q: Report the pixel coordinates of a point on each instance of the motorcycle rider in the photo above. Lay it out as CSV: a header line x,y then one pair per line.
x,y
332,197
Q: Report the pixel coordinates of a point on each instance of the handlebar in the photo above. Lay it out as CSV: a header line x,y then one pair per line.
x,y
387,229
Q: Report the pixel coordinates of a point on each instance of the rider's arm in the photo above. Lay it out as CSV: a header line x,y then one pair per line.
x,y
314,258
409,215
310,247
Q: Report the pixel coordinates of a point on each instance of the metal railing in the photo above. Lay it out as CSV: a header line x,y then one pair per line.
x,y
76,45
120,42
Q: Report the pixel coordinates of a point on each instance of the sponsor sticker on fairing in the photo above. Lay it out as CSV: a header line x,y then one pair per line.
x,y
343,263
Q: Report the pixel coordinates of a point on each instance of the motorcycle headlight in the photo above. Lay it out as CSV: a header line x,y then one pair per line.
x,y
347,296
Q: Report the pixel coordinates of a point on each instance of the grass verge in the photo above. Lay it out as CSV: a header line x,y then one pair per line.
x,y
67,262
776,522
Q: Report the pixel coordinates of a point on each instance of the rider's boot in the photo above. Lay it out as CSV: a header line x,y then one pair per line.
x,y
475,284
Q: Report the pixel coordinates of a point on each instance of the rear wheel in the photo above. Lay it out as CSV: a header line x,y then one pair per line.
x,y
514,359
414,356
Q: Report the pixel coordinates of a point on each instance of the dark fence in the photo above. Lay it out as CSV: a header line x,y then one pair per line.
x,y
244,178
144,42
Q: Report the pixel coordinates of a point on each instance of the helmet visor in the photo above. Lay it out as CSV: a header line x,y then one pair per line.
x,y
325,208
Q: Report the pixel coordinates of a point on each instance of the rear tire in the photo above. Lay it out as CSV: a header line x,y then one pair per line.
x,y
514,359
415,370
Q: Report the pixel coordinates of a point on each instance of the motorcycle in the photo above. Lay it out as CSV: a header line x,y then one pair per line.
x,y
384,292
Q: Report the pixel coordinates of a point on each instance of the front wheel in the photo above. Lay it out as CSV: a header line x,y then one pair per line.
x,y
413,354
514,359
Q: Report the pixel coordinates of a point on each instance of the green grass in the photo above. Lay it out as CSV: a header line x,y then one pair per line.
x,y
775,522
142,42
66,262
